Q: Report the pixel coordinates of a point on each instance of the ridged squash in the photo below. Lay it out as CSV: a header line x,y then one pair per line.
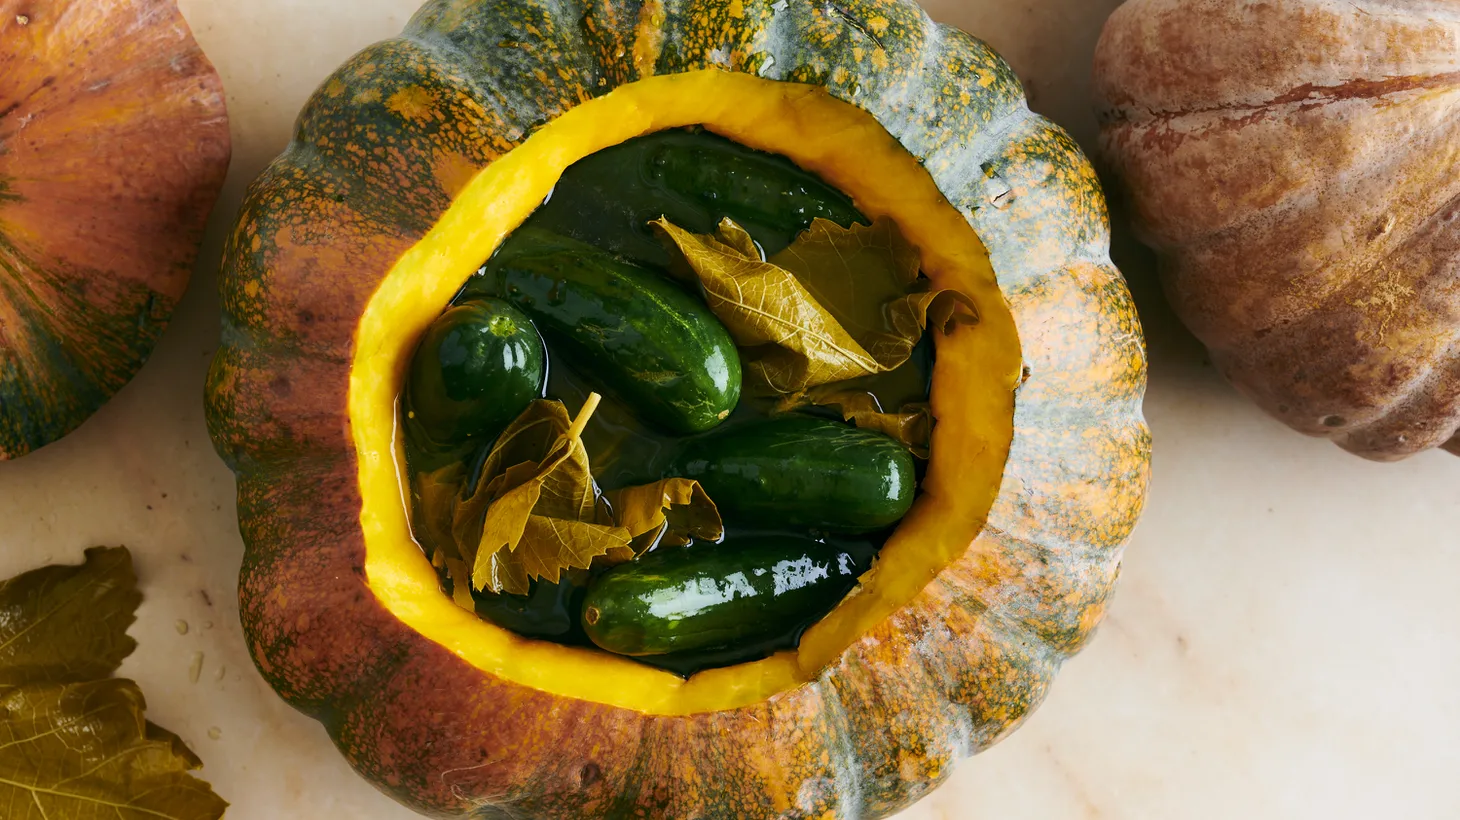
x,y
411,164
1291,162
113,148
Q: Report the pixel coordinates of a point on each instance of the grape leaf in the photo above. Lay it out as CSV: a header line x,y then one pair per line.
x,y
62,623
537,510
912,424
666,513
83,750
72,744
437,493
836,305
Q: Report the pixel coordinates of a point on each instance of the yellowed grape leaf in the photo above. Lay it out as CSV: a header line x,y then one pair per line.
x,y
460,575
439,491
788,341
867,278
68,623
536,510
912,424
836,305
76,742
669,512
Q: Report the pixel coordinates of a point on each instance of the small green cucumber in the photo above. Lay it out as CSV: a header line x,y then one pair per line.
x,y
694,179
476,369
802,472
748,186
681,599
629,330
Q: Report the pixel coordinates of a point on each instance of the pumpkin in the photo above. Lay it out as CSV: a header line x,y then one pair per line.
x,y
113,147
1290,162
413,161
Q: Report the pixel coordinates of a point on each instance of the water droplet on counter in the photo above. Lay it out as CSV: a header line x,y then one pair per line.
x,y
195,670
215,733
182,627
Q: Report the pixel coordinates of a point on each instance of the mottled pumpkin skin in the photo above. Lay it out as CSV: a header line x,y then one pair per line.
x,y
113,148
1292,163
379,153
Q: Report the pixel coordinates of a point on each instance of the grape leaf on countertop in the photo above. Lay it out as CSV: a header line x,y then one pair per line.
x,y
74,744
67,623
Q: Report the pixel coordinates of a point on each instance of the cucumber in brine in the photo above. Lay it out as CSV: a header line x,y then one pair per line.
x,y
802,472
625,328
476,369
694,179
680,599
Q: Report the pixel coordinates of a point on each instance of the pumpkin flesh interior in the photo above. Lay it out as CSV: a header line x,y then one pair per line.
x,y
976,371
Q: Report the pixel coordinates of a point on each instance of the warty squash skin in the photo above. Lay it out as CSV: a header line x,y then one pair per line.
x,y
113,147
1292,164
365,196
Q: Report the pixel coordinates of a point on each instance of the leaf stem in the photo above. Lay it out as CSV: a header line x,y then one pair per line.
x,y
581,421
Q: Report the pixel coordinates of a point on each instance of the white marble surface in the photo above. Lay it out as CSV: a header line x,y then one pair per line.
x,y
1283,643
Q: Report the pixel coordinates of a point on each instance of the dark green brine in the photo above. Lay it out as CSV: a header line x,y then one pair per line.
x,y
582,298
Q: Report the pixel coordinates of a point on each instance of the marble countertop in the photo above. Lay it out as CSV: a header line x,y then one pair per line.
x,y
1282,644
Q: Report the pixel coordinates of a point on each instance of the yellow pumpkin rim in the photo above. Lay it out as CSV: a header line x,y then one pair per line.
x,y
975,375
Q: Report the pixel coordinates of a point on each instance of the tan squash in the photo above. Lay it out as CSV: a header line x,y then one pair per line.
x,y
1292,162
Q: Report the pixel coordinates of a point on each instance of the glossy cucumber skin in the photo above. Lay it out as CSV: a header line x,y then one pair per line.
x,y
476,369
694,179
748,186
802,472
630,330
681,599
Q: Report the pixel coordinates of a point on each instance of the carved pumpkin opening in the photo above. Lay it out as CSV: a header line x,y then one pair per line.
x,y
851,152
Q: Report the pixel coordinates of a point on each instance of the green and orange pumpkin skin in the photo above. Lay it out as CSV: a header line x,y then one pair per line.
x,y
113,147
372,219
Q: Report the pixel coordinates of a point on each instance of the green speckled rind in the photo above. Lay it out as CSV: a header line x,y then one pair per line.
x,y
113,147
943,678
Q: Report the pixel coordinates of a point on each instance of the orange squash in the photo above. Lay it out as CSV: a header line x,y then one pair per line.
x,y
113,147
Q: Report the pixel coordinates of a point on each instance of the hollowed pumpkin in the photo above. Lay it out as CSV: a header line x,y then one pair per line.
x,y
113,147
420,155
1292,164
